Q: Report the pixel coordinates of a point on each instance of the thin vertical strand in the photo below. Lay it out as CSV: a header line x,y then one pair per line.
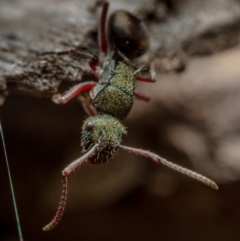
x,y
61,207
173,166
11,187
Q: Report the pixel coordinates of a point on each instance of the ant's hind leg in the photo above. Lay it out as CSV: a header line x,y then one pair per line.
x,y
145,78
141,96
75,90
87,105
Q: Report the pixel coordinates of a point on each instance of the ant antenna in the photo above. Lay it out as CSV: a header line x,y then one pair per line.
x,y
171,165
63,199
11,186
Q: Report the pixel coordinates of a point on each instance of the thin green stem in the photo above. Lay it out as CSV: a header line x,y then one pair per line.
x,y
11,187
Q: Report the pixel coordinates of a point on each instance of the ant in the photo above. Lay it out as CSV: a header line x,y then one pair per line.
x,y
128,39
102,134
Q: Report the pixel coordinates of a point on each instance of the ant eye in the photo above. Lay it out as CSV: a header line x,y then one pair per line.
x,y
89,125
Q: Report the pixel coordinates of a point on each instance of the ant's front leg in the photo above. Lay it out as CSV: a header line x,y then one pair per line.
x,y
75,90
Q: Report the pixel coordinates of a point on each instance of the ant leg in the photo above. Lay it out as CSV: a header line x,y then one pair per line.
x,y
89,109
61,207
87,105
66,172
141,96
93,59
171,165
145,78
151,79
102,28
75,90
72,166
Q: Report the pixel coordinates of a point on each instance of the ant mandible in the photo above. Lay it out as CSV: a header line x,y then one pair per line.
x,y
128,39
102,134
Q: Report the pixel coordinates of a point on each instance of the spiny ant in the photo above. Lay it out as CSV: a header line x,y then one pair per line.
x,y
113,94
102,134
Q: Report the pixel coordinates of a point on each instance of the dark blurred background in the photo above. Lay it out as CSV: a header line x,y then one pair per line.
x,y
193,123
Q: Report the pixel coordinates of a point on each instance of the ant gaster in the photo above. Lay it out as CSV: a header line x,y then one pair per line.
x,y
128,38
102,134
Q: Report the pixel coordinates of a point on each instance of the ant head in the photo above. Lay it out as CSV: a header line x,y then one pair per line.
x,y
104,130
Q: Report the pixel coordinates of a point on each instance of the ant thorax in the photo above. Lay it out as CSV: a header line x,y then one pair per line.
x,y
107,72
114,93
104,130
